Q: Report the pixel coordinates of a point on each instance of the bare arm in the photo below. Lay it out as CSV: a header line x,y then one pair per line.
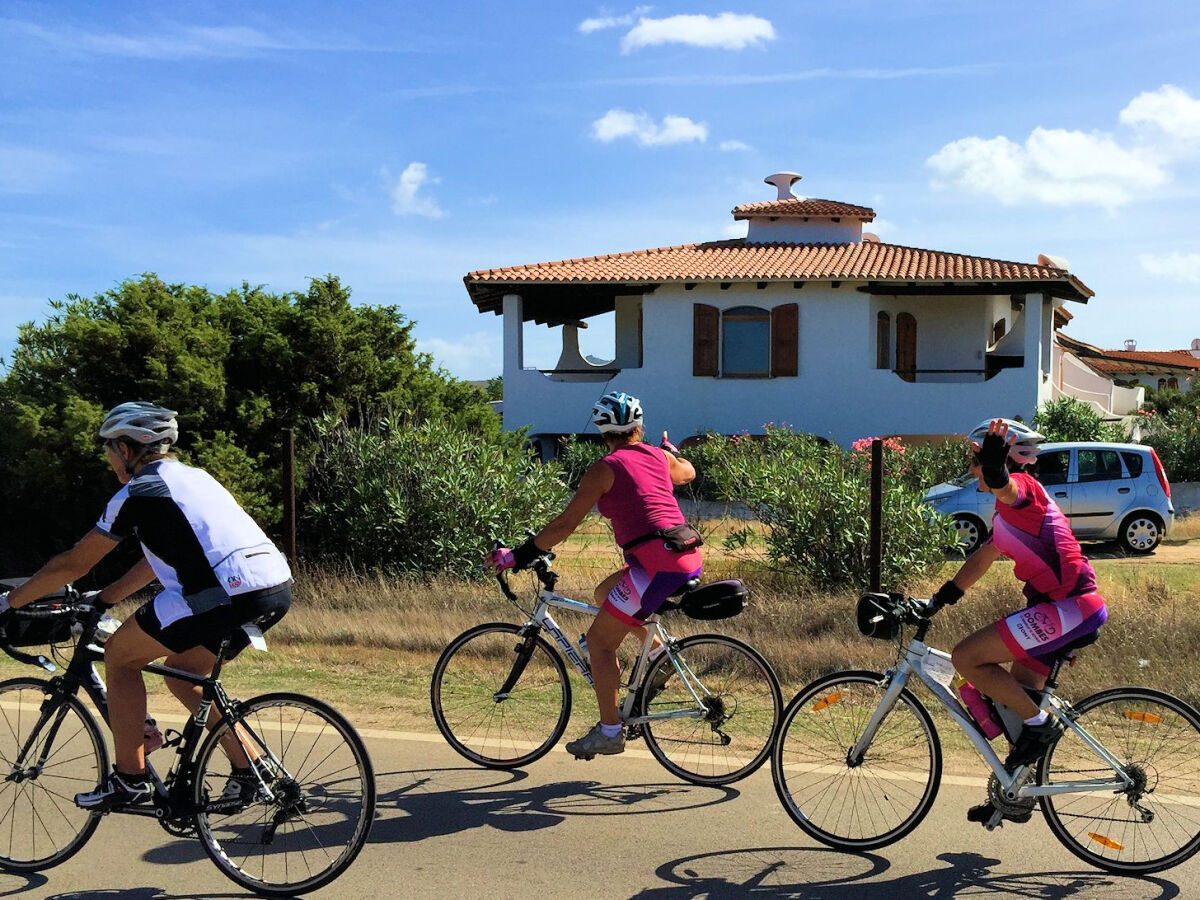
x,y
64,568
976,565
596,482
682,471
139,575
1007,494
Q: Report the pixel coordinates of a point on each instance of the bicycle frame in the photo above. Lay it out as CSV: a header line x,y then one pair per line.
x,y
81,672
541,619
927,664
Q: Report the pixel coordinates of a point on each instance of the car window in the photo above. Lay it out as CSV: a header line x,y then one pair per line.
x,y
1052,466
1133,462
1098,465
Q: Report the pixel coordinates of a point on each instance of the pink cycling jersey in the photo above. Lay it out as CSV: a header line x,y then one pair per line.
x,y
642,497
1036,536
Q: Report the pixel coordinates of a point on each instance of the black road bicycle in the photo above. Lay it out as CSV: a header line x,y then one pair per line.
x,y
296,830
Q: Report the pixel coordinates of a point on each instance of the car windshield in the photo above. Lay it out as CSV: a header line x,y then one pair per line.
x,y
963,480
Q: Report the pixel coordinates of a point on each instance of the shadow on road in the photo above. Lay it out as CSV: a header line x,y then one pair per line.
x,y
436,802
820,874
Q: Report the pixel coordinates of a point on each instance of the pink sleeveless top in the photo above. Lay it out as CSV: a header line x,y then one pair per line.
x,y
642,498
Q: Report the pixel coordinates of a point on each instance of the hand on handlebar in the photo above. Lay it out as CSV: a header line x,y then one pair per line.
x,y
518,558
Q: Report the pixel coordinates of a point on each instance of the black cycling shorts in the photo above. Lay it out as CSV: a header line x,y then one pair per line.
x,y
207,629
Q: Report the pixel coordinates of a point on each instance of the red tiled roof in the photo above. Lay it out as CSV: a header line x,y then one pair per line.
x,y
1147,360
810,207
738,260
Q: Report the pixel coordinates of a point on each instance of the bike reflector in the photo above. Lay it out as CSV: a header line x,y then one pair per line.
x,y
1138,716
1105,841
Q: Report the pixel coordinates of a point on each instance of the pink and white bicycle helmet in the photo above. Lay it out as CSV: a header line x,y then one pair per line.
x,y
1023,451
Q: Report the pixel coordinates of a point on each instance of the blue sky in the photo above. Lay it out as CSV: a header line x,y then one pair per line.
x,y
402,145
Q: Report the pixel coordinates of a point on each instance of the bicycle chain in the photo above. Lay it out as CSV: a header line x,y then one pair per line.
x,y
1018,807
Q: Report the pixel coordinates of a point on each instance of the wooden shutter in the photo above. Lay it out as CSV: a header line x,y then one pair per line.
x,y
906,346
706,322
883,341
785,340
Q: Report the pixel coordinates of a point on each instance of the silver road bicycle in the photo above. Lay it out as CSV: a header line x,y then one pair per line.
x,y
707,706
857,762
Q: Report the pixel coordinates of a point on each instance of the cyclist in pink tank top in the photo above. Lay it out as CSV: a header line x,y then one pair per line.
x,y
1060,590
633,486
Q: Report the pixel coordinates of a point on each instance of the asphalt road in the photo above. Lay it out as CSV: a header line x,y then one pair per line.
x,y
612,827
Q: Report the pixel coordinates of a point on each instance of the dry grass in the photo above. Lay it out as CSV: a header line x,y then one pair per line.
x,y
1186,528
368,643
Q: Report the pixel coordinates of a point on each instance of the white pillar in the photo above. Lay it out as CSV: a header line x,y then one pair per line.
x,y
628,332
514,351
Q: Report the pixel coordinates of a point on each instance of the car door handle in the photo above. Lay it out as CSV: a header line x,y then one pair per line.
x,y
1060,493
1123,490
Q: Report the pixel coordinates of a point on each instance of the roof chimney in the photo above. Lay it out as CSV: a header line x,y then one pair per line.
x,y
1131,344
782,182
1196,347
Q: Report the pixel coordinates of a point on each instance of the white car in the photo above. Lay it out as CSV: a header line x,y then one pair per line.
x,y
1107,491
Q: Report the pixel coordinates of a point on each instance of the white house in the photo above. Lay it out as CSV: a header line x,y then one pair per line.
x,y
807,320
1081,371
1179,369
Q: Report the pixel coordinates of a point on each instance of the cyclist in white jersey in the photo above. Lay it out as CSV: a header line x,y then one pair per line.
x,y
218,572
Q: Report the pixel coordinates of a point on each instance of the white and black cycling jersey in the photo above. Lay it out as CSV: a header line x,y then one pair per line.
x,y
201,544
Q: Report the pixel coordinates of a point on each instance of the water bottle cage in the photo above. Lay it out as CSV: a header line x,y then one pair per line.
x,y
172,738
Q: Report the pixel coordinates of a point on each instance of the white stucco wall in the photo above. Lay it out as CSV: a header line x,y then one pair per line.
x,y
795,231
838,393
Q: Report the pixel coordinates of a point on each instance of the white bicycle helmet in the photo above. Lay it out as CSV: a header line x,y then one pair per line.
x,y
617,413
1023,451
142,423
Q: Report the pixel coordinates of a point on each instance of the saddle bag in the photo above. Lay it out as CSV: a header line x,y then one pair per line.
x,y
719,600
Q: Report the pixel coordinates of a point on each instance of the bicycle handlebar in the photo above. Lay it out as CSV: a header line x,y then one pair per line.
x,y
86,612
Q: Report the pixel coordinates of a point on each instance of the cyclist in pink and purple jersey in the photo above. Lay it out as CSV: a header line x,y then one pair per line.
x,y
1060,589
633,486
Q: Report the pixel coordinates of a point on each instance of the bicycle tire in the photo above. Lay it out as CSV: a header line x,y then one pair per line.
x,y
76,761
864,806
517,729
323,805
1154,735
743,701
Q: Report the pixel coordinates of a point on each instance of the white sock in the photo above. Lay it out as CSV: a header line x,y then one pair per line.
x,y
610,731
1039,719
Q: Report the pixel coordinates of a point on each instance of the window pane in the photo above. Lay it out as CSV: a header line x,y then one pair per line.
x,y
1052,467
747,346
1099,465
1133,462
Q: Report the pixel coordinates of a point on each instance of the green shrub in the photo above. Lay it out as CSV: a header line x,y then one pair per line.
x,y
575,457
928,464
1068,419
815,498
1175,437
422,498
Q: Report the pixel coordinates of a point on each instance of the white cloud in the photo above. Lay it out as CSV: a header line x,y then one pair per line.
x,y
619,123
409,194
733,146
1173,266
729,31
476,356
1060,167
600,23
1169,110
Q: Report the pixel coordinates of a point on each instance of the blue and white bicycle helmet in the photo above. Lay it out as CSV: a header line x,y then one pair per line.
x,y
617,413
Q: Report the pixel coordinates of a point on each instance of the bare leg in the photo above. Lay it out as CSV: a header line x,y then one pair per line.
x,y
200,661
978,658
125,654
604,637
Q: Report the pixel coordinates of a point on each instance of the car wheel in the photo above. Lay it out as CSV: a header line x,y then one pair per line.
x,y
971,532
1141,533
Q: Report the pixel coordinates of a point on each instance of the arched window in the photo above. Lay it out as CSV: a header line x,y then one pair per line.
x,y
998,331
1173,383
1162,383
906,346
746,342
883,341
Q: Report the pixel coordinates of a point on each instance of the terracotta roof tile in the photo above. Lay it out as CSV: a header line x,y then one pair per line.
x,y
809,207
738,260
1147,360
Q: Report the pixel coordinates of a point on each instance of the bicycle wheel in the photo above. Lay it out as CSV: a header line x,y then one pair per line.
x,y
322,805
1155,736
740,700
500,731
863,805
46,757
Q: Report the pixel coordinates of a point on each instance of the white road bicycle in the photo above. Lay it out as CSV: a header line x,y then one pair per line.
x,y
858,761
707,707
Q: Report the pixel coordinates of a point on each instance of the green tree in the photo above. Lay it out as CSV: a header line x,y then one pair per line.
x,y
239,367
1068,419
